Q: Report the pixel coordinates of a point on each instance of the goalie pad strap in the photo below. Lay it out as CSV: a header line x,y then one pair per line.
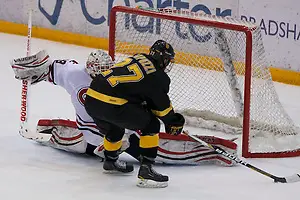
x,y
57,122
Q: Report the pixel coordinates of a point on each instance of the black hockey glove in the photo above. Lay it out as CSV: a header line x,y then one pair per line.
x,y
145,106
175,126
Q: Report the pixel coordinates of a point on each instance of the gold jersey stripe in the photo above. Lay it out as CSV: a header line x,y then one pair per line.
x,y
162,113
105,98
149,141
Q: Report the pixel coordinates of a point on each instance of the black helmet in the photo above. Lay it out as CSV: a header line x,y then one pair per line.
x,y
163,53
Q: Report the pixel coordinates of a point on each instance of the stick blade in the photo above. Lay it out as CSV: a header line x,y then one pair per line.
x,y
288,179
293,178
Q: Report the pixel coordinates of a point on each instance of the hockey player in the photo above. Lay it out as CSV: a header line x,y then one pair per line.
x,y
83,136
115,98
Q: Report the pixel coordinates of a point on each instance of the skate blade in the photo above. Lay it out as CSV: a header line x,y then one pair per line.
x,y
142,183
116,172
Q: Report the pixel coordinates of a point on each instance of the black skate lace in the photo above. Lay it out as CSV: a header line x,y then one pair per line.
x,y
154,172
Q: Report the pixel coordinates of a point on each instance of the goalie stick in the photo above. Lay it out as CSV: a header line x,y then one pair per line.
x,y
24,130
287,179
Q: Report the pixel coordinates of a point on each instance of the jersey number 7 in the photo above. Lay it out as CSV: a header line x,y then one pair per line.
x,y
135,74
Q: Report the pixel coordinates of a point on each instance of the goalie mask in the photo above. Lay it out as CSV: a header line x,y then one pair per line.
x,y
97,62
164,54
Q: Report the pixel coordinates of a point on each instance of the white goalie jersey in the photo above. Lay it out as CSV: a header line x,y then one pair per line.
x,y
72,77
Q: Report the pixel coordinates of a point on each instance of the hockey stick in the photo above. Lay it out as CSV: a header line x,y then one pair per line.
x,y
24,130
288,179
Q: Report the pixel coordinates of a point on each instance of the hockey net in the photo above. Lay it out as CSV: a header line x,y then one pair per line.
x,y
220,80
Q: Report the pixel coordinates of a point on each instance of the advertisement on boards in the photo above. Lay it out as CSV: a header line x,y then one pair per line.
x,y
92,17
278,20
280,25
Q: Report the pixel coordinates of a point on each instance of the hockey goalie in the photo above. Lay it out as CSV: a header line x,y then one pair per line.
x,y
83,136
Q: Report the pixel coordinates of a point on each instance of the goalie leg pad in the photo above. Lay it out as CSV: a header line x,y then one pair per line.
x,y
183,150
65,135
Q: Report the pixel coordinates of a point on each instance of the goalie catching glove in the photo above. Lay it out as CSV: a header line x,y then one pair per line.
x,y
175,125
32,68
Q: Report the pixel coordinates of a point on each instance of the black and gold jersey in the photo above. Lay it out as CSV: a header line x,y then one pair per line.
x,y
134,80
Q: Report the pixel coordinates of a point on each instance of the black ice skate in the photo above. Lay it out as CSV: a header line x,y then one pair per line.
x,y
117,166
149,178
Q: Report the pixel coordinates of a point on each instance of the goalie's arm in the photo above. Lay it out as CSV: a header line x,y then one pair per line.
x,y
60,70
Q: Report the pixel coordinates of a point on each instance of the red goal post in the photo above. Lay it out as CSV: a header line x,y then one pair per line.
x,y
222,83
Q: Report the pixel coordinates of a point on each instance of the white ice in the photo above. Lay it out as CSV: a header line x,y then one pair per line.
x,y
32,171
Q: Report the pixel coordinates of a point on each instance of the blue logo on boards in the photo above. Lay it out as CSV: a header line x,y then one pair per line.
x,y
153,25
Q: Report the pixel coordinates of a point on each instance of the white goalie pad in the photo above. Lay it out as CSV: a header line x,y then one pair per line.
x,y
183,150
65,135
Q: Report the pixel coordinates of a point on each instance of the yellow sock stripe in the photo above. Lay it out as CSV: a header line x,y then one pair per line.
x,y
149,141
112,146
105,98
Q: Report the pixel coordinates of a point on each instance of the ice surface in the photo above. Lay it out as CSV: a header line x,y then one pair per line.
x,y
32,171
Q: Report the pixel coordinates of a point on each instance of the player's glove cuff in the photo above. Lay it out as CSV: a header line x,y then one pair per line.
x,y
175,126
174,130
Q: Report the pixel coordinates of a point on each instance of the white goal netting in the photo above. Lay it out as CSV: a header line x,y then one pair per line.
x,y
208,79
